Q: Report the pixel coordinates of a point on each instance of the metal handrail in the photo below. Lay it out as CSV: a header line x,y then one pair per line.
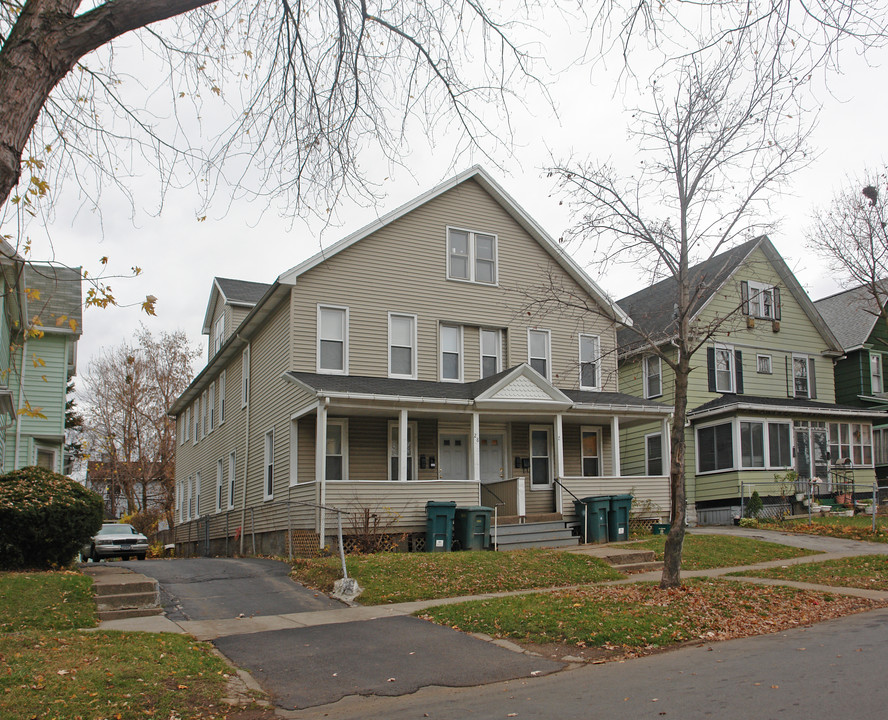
x,y
558,482
501,501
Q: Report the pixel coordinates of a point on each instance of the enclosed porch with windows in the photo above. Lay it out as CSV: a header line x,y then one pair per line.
x,y
380,449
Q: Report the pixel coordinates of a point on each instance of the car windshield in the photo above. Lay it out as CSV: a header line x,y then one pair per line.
x,y
117,530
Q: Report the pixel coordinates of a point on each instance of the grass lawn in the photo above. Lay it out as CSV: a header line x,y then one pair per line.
x,y
864,571
641,617
702,552
402,577
50,667
859,527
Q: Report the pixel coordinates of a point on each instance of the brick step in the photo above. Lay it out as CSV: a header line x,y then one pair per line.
x,y
129,613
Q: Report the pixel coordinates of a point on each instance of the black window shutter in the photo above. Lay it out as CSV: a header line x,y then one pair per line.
x,y
710,367
812,380
790,387
777,306
744,297
738,372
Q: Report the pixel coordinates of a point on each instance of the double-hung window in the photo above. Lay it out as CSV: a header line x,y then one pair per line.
x,y
491,343
220,486
212,405
451,352
196,415
539,351
197,495
232,467
219,334
245,376
880,446
760,300
187,423
590,444
471,256
222,398
877,385
336,450
590,362
653,453
332,339
653,377
402,345
724,369
268,466
803,381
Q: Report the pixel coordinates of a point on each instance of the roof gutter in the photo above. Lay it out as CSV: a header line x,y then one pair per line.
x,y
751,407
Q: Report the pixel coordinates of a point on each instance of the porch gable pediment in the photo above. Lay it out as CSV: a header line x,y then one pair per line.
x,y
523,386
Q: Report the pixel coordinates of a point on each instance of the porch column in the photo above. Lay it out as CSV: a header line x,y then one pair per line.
x,y
666,447
476,447
402,444
321,466
615,444
559,460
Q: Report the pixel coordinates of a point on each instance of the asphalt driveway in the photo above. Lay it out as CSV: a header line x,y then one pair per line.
x,y
301,667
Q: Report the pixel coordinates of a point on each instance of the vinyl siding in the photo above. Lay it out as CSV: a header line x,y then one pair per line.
x,y
402,268
852,378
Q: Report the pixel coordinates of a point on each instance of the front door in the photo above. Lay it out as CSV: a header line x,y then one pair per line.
x,y
492,462
453,460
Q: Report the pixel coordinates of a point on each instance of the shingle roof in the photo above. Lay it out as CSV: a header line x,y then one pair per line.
x,y
242,292
59,295
395,387
652,309
777,404
850,314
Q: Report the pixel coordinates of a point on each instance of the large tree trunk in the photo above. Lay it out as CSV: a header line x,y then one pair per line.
x,y
43,46
675,540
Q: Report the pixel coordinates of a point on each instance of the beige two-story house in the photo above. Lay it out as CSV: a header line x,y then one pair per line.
x,y
396,367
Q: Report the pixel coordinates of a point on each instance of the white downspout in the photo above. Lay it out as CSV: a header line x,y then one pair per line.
x,y
321,467
246,446
21,394
559,462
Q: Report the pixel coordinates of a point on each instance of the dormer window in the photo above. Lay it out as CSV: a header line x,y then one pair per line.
x,y
219,334
471,256
760,300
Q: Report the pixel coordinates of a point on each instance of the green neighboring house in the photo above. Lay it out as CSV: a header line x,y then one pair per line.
x,y
40,324
761,398
862,328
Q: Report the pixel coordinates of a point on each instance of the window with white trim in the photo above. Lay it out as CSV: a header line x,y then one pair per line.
x,y
540,457
590,447
880,446
268,466
222,398
245,376
763,364
653,376
801,376
724,369
653,453
491,358
393,432
539,351
232,468
337,450
761,300
877,384
451,353
402,345
206,413
590,362
715,447
196,415
219,334
197,494
851,441
779,444
220,485
752,444
187,423
471,256
332,339
212,405
189,505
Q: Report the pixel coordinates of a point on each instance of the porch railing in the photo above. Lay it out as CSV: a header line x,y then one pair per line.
x,y
511,492
651,497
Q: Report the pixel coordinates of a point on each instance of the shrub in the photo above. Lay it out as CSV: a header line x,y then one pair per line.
x,y
45,518
748,522
755,505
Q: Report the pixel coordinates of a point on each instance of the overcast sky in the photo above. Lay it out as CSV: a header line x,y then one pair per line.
x,y
180,256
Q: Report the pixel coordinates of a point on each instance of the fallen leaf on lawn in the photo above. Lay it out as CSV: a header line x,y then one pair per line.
x,y
390,680
775,687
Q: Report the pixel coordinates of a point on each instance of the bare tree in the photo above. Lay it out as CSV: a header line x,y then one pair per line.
x,y
852,235
711,148
128,391
288,90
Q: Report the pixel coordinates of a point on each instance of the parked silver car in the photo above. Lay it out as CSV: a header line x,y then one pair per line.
x,y
116,540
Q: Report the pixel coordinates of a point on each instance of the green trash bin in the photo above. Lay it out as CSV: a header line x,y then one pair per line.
x,y
439,525
471,527
593,518
618,518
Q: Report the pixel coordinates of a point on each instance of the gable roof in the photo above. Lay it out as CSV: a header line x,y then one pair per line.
x,y
59,297
242,293
480,176
652,309
851,315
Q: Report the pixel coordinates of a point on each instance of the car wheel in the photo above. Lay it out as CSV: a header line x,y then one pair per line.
x,y
93,556
140,557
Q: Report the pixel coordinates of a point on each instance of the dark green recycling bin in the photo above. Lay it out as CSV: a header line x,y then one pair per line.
x,y
439,525
593,517
618,518
471,527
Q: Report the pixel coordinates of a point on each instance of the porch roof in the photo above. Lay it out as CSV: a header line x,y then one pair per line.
x,y
352,386
730,403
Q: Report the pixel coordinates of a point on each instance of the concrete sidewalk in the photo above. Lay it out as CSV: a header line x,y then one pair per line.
x,y
830,549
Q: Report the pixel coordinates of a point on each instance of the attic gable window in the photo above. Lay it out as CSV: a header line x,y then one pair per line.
x,y
219,334
760,300
877,384
471,256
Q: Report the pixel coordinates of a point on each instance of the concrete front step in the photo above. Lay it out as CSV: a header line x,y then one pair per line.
x,y
121,593
550,543
628,557
129,613
125,584
123,601
537,534
630,568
